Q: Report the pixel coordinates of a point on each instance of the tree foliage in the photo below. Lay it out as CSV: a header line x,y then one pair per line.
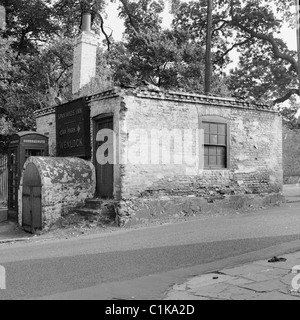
x,y
168,58
267,69
36,51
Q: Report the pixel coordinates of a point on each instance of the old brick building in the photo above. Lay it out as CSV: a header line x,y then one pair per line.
x,y
234,164
242,153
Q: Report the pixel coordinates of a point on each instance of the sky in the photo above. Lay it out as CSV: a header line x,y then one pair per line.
x,y
287,33
113,22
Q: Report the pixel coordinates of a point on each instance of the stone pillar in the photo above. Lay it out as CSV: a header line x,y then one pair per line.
x,y
84,60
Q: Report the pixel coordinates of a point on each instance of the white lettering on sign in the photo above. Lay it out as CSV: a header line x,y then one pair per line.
x,y
69,114
72,130
71,144
34,141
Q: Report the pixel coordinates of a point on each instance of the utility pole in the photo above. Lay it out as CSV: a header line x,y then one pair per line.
x,y
208,66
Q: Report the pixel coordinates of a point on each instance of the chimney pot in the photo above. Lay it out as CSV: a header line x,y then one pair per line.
x,y
86,22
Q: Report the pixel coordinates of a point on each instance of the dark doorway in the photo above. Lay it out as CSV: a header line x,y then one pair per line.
x,y
31,200
104,173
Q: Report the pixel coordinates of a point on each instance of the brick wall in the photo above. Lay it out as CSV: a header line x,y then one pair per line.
x,y
45,124
255,150
291,155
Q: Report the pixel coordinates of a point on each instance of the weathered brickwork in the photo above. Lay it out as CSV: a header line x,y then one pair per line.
x,y
255,145
45,124
109,107
291,155
66,183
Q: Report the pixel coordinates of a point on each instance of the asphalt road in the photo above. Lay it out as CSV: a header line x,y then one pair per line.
x,y
129,261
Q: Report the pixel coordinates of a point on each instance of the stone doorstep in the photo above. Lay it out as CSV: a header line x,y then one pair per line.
x,y
86,212
93,203
97,208
98,203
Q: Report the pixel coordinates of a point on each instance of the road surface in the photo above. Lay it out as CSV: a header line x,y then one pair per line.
x,y
143,263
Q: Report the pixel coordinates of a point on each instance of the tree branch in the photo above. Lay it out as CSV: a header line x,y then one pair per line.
x,y
131,20
103,31
287,96
235,21
270,39
231,48
219,28
62,72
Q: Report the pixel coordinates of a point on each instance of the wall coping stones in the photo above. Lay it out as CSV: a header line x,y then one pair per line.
x,y
49,110
177,96
44,112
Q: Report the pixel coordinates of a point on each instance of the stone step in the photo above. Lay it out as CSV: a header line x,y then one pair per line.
x,y
98,203
103,210
92,214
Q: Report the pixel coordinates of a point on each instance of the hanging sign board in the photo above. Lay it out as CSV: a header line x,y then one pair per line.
x,y
73,129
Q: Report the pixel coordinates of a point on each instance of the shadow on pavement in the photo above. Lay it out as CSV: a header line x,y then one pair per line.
x,y
291,192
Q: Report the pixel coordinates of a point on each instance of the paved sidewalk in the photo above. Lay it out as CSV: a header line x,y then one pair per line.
x,y
3,213
11,232
291,193
260,280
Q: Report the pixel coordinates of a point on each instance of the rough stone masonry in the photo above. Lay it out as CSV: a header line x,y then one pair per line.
x,y
251,175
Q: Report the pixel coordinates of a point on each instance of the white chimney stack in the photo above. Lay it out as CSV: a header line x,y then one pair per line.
x,y
85,53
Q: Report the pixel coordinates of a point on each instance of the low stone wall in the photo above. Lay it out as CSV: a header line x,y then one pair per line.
x,y
141,210
65,184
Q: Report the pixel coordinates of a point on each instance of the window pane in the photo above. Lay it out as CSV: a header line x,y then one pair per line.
x,y
213,139
212,151
222,129
213,128
206,161
221,151
221,140
212,160
206,127
221,161
206,138
215,145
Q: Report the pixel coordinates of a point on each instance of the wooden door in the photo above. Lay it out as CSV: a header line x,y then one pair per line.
x,y
31,200
104,173
31,209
